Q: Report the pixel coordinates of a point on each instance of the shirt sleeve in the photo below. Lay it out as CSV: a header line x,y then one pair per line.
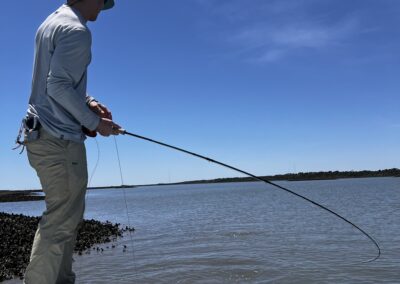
x,y
90,99
68,66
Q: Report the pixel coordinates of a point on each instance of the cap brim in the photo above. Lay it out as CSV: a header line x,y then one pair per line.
x,y
108,4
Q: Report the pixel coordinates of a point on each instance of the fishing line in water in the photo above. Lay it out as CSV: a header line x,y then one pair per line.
x,y
124,132
122,183
126,204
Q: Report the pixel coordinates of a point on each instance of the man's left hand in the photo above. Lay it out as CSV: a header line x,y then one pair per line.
x,y
100,110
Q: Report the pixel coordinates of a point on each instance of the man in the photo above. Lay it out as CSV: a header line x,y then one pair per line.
x,y
59,109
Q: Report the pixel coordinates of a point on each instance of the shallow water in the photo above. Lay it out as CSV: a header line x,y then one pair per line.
x,y
244,233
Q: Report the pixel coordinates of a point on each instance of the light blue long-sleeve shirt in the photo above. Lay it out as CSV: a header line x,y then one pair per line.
x,y
62,55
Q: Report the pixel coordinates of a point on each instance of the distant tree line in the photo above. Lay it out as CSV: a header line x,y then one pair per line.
x,y
337,174
310,176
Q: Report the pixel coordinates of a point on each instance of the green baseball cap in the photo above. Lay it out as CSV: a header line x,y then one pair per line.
x,y
108,4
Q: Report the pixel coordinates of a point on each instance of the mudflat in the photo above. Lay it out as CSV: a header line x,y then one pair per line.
x,y
17,232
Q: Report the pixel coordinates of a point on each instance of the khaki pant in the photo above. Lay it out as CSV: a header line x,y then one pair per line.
x,y
62,169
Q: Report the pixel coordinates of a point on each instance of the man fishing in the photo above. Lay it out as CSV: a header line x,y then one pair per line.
x,y
59,111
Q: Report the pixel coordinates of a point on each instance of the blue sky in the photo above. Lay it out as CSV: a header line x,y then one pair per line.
x,y
267,86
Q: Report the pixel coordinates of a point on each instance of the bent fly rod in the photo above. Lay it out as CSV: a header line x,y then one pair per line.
x,y
124,132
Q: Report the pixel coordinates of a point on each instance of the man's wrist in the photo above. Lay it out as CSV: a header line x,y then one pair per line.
x,y
94,124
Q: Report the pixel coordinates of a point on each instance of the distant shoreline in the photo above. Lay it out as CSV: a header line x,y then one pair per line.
x,y
32,195
302,176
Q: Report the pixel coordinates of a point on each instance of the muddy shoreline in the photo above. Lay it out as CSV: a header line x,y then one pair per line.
x,y
20,195
17,232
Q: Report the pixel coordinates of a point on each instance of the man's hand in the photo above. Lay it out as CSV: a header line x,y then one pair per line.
x,y
100,110
107,127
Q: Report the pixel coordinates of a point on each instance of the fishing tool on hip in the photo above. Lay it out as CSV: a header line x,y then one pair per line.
x,y
29,131
124,132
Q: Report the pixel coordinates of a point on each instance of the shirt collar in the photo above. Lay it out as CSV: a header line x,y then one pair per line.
x,y
76,12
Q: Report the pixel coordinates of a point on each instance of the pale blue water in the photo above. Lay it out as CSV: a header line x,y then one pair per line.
x,y
244,233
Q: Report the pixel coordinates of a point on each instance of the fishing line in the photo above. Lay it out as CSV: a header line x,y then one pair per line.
x,y
89,183
97,163
126,205
124,132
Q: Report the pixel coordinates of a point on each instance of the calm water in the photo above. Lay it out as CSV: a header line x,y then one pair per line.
x,y
244,233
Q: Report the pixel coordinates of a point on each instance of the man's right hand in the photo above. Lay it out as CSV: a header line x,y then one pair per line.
x,y
107,127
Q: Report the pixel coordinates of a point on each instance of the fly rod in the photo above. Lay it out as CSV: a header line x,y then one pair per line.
x,y
124,132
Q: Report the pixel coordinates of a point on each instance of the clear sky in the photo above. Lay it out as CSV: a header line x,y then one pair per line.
x,y
267,86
